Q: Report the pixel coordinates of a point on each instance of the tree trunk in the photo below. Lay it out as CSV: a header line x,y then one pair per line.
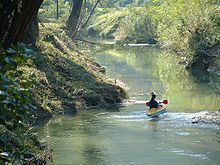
x,y
15,17
32,32
57,9
74,17
90,15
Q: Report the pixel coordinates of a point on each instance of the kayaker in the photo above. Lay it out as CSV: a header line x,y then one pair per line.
x,y
153,103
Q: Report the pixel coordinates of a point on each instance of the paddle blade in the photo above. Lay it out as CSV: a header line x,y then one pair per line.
x,y
165,101
147,103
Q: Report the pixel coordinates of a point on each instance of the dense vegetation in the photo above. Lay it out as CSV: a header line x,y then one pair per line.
x,y
194,32
15,105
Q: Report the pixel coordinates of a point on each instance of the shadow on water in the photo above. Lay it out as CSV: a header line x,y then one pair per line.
x,y
78,138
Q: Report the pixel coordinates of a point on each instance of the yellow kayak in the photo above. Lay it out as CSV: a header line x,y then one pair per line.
x,y
153,112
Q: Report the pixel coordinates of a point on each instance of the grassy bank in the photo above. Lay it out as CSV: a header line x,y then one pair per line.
x,y
67,79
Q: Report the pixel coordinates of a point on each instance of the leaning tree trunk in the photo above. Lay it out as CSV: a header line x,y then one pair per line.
x,y
15,16
73,19
90,15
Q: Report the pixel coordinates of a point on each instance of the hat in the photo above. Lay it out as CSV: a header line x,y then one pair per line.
x,y
153,93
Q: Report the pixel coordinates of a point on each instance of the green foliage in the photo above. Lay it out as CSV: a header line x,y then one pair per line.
x,y
188,27
19,147
49,8
15,99
122,3
107,23
136,25
128,23
16,140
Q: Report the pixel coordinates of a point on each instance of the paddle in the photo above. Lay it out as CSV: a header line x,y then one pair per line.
x,y
164,102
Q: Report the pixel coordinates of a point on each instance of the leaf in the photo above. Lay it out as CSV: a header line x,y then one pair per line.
x,y
28,51
22,123
9,60
4,154
6,81
33,107
6,102
21,46
5,87
11,51
3,93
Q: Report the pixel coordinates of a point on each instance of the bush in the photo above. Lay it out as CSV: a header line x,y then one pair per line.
x,y
15,99
127,23
192,32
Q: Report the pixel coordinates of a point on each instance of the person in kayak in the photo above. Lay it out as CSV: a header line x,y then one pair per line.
x,y
153,103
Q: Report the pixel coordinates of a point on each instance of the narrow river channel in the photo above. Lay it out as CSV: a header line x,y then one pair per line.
x,y
126,135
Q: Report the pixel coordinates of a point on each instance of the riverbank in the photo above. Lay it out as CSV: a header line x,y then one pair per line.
x,y
64,80
67,79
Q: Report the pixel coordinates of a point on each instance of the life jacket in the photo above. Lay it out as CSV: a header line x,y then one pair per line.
x,y
153,104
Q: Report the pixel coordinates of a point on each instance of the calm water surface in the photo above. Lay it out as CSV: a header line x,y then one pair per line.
x,y
126,135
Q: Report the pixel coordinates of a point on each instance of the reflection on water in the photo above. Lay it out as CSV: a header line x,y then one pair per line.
x,y
153,123
150,69
128,136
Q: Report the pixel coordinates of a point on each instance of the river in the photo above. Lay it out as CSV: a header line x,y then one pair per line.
x,y
126,135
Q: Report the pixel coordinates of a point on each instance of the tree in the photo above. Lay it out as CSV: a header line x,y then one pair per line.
x,y
15,17
73,19
32,32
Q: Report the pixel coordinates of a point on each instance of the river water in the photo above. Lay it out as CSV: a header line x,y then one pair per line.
x,y
126,135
